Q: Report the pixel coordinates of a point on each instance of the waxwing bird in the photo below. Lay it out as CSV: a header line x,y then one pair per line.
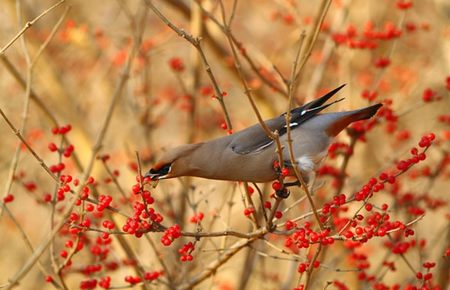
x,y
249,155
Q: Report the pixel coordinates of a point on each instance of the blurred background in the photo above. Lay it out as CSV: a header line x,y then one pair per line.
x,y
395,52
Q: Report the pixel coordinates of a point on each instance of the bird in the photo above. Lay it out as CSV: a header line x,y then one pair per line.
x,y
249,155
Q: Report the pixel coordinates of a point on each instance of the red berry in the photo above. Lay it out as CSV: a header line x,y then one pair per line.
x,y
277,185
369,95
285,171
381,232
63,254
382,62
248,211
422,156
428,95
69,244
302,267
348,234
8,198
314,237
47,197
359,231
136,188
404,4
290,225
176,64
52,147
73,217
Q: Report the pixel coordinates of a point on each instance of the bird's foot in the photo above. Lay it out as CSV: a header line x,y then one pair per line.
x,y
283,192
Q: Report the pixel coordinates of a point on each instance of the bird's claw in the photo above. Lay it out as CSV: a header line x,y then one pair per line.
x,y
283,193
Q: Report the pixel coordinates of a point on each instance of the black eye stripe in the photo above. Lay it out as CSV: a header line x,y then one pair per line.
x,y
162,171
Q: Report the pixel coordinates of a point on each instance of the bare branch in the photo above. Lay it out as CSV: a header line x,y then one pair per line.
x,y
27,26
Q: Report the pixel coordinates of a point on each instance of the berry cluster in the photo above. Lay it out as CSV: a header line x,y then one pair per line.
x,y
302,267
103,202
303,237
133,279
148,276
62,130
339,148
144,216
105,282
185,252
369,38
249,211
171,234
88,284
197,218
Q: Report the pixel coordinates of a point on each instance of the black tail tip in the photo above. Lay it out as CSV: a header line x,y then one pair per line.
x,y
370,111
333,92
376,107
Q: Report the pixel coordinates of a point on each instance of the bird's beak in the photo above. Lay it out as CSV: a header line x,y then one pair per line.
x,y
152,176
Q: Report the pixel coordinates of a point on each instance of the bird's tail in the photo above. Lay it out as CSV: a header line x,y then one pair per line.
x,y
350,117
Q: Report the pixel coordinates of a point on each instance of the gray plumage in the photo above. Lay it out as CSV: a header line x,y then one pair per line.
x,y
248,155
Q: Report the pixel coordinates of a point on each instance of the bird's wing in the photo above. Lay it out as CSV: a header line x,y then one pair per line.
x,y
254,139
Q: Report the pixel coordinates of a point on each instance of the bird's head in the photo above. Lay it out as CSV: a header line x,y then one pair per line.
x,y
173,163
161,170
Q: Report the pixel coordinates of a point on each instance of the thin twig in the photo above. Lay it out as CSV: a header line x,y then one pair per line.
x,y
298,174
261,201
96,148
30,63
213,266
29,245
197,44
327,50
311,267
239,45
251,204
342,175
311,39
28,25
